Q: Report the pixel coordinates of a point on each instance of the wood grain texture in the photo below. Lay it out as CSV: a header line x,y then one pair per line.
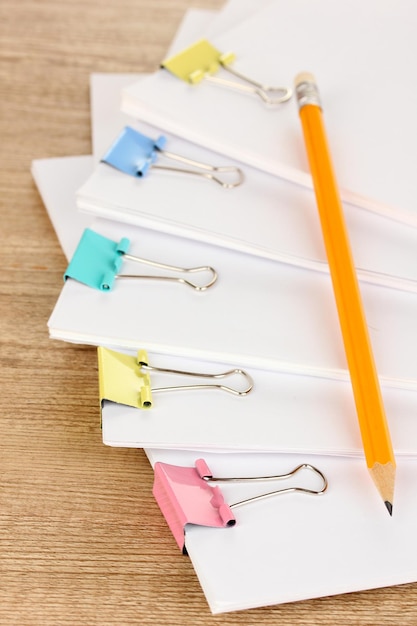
x,y
81,538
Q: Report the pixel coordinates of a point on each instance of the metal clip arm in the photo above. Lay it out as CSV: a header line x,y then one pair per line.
x,y
238,392
202,60
210,172
172,268
265,92
303,466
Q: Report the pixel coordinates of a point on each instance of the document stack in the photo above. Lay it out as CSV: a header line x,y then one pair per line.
x,y
197,266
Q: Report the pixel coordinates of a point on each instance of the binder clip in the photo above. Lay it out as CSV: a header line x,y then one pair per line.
x,y
97,261
134,154
185,496
125,379
202,60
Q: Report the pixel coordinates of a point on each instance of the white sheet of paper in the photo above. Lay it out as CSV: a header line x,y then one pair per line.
x,y
51,176
283,413
295,547
363,75
259,314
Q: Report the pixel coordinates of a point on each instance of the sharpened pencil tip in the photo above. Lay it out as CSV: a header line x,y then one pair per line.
x,y
389,507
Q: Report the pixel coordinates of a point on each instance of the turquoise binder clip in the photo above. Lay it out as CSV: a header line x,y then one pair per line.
x,y
135,154
98,260
202,61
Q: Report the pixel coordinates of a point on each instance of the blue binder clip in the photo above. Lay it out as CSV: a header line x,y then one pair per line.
x,y
134,154
98,260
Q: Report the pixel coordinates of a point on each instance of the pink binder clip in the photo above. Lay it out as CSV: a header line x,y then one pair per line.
x,y
185,497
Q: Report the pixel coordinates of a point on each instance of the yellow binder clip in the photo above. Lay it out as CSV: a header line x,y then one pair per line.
x,y
125,379
201,61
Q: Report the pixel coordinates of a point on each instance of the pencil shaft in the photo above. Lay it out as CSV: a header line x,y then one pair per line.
x,y
355,334
365,384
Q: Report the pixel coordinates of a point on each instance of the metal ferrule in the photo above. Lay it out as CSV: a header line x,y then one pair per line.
x,y
307,93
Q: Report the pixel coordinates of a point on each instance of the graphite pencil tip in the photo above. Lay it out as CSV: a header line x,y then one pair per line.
x,y
389,507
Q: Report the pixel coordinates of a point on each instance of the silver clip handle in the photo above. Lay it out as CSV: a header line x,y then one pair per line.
x,y
172,268
265,92
303,466
234,391
210,172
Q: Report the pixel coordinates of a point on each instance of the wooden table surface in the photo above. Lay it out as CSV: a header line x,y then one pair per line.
x,y
81,538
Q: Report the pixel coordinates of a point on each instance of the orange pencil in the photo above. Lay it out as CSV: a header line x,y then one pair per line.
x,y
365,384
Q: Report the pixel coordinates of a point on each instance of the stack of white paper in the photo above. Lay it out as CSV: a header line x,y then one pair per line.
x,y
276,321
265,216
364,76
292,413
258,314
